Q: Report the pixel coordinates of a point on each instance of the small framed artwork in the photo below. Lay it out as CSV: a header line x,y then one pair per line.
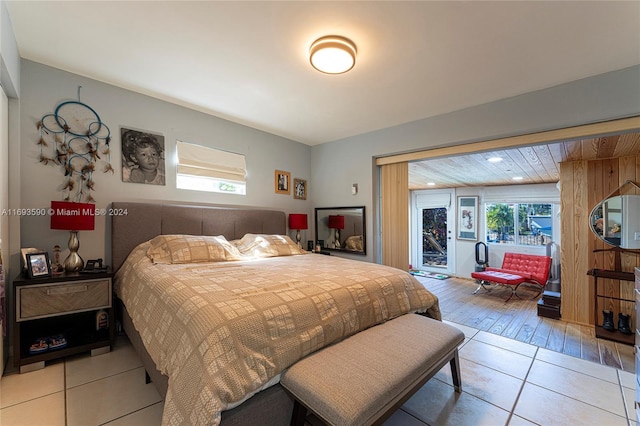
x,y
282,182
299,189
310,245
38,265
468,218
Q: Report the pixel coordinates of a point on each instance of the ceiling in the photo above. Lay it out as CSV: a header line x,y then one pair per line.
x,y
534,164
248,61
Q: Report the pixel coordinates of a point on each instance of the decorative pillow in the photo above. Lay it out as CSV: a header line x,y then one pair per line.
x,y
263,245
354,243
191,249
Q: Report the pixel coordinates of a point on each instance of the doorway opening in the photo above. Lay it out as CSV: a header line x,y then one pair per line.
x,y
432,230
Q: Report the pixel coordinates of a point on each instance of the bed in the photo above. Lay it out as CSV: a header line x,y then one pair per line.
x,y
214,336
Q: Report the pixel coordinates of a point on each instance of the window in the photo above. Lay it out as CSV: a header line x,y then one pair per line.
x,y
207,169
519,223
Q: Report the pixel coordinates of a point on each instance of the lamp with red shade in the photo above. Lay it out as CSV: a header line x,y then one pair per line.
x,y
298,221
336,222
73,217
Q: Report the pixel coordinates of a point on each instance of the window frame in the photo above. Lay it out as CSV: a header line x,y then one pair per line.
x,y
515,226
207,172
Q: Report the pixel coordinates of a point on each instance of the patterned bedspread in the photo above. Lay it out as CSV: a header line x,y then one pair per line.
x,y
221,330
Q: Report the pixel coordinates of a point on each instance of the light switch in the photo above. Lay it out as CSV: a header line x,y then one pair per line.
x,y
636,236
354,189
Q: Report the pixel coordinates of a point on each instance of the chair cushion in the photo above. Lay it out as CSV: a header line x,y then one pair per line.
x,y
499,277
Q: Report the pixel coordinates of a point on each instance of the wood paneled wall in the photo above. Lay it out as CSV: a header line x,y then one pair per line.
x,y
583,185
395,215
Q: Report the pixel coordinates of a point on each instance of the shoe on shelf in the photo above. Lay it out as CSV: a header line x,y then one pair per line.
x,y
38,346
57,342
623,323
607,323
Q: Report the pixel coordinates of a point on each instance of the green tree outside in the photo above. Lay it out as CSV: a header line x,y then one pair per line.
x,y
500,219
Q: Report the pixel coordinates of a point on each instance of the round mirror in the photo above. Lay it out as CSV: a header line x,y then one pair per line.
x,y
606,220
616,221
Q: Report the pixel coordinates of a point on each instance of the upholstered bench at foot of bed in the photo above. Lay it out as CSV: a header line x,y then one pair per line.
x,y
365,378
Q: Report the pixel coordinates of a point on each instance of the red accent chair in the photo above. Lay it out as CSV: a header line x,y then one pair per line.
x,y
516,269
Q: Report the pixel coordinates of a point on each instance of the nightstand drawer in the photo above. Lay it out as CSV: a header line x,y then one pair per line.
x,y
45,300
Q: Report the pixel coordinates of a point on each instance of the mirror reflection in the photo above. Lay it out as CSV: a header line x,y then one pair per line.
x,y
341,229
616,221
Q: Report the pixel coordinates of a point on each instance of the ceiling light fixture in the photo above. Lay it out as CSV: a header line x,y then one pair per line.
x,y
517,178
495,159
332,54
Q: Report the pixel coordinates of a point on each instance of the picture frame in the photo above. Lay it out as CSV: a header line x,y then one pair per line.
x,y
320,243
310,245
38,265
467,218
299,189
282,182
26,250
142,157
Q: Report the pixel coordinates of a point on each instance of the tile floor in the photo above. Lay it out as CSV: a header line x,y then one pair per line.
x,y
504,382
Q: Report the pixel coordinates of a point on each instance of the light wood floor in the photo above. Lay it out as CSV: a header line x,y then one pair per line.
x,y
518,319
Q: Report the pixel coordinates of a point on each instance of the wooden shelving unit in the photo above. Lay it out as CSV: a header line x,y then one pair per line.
x,y
616,336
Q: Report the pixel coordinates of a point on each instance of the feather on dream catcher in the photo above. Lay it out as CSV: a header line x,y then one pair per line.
x,y
75,138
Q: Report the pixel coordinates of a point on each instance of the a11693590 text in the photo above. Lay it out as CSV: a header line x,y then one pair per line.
x,y
63,212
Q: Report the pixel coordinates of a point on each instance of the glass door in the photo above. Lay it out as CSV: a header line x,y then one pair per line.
x,y
432,231
434,238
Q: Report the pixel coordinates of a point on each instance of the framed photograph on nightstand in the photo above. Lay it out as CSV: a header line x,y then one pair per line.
x,y
25,251
38,265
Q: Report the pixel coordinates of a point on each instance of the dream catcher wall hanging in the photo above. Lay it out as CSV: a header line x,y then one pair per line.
x,y
75,138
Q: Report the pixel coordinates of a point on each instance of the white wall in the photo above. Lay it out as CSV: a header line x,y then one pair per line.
x,y
631,221
4,204
336,165
10,82
9,57
44,88
330,169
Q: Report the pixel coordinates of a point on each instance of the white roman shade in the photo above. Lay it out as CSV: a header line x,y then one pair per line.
x,y
544,193
197,160
432,199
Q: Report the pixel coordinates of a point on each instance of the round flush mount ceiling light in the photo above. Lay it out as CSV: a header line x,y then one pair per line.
x,y
332,54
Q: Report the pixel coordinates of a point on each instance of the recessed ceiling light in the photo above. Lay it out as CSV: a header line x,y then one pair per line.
x,y
494,159
332,54
517,178
431,183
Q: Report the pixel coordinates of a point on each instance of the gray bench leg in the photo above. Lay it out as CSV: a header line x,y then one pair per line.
x,y
299,414
455,372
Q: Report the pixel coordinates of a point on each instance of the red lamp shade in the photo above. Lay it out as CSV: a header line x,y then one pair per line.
x,y
297,221
336,222
72,216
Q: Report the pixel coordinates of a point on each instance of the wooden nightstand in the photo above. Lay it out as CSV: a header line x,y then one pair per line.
x,y
65,305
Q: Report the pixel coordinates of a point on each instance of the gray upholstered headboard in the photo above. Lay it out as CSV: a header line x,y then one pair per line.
x,y
143,221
